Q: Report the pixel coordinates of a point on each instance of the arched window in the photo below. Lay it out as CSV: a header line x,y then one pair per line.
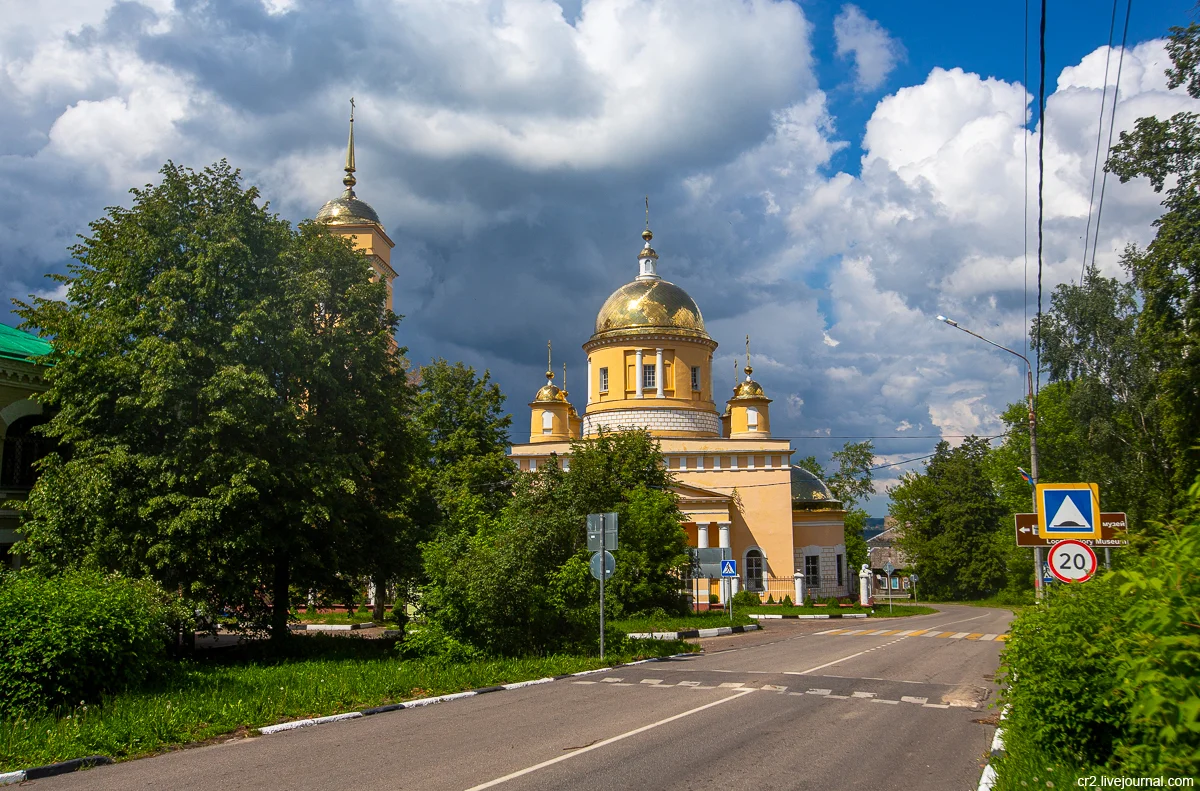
x,y
754,570
547,422
752,418
22,447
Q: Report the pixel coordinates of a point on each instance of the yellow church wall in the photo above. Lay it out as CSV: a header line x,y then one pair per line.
x,y
679,356
560,425
739,418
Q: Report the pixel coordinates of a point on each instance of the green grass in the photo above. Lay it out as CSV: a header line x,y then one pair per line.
x,y
881,610
678,623
361,616
251,686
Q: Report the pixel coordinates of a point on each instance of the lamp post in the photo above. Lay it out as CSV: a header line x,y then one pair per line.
x,y
1033,454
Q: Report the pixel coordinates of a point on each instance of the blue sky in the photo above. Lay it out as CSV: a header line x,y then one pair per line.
x,y
830,205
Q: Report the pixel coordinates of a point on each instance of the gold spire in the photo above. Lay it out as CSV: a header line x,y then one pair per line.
x,y
549,365
748,369
646,234
564,387
349,180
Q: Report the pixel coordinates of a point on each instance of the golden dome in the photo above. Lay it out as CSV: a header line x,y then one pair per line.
x,y
650,305
748,388
348,210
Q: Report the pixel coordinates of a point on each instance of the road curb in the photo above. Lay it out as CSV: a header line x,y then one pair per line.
x,y
422,702
50,770
719,631
822,617
987,780
330,627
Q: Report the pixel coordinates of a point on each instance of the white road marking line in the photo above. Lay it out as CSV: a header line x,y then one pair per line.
x,y
885,700
559,759
651,681
688,684
959,635
839,697
863,694
611,680
936,706
732,684
907,632
773,688
818,692
988,637
585,682
910,699
836,661
827,631
703,687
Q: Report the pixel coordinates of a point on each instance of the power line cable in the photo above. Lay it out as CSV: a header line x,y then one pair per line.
x,y
1112,26
1111,123
1041,187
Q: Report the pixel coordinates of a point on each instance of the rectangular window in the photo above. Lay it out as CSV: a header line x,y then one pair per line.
x,y
567,464
603,380
895,583
716,462
698,463
695,377
840,578
812,571
533,465
732,465
683,462
648,376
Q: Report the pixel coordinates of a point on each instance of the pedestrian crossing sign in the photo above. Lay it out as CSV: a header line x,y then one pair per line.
x,y
729,568
1068,510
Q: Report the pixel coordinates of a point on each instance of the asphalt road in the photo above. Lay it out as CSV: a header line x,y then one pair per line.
x,y
787,708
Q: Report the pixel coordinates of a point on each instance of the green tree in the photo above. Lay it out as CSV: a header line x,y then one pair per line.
x,y
232,400
1166,273
462,416
521,584
952,521
850,483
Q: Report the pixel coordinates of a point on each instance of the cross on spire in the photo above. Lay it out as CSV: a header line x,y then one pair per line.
x,y
349,180
549,365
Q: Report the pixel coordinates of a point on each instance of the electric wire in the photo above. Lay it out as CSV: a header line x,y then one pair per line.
x,y
1111,123
1112,26
1040,190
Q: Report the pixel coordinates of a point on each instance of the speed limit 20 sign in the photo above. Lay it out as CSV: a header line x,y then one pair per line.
x,y
1072,561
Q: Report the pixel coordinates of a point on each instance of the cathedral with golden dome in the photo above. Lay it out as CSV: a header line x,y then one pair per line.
x,y
649,366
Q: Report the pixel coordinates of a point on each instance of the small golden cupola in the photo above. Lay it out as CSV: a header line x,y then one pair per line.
x,y
748,409
550,412
347,215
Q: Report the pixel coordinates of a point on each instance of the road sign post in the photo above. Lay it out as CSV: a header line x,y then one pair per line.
x,y
1072,561
729,572
602,531
889,569
1068,510
913,579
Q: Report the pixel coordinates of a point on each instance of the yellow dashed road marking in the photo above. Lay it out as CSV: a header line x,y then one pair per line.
x,y
974,635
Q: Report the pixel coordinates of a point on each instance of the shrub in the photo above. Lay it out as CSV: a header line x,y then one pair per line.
x,y
79,635
746,599
787,601
1060,673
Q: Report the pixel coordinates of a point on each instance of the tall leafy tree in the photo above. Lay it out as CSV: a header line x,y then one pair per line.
x,y
1167,273
462,417
952,521
231,397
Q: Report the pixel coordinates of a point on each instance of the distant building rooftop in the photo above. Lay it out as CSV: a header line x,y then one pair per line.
x,y
20,345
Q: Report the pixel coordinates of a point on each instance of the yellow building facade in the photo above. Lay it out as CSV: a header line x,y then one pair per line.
x,y
649,366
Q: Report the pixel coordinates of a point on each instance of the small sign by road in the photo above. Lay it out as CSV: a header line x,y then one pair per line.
x,y
1112,532
888,568
1072,561
1068,510
610,565
606,522
729,568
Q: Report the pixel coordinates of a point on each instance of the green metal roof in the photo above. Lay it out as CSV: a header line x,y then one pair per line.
x,y
20,345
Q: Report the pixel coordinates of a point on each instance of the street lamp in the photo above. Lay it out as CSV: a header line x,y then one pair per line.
x,y
1033,454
